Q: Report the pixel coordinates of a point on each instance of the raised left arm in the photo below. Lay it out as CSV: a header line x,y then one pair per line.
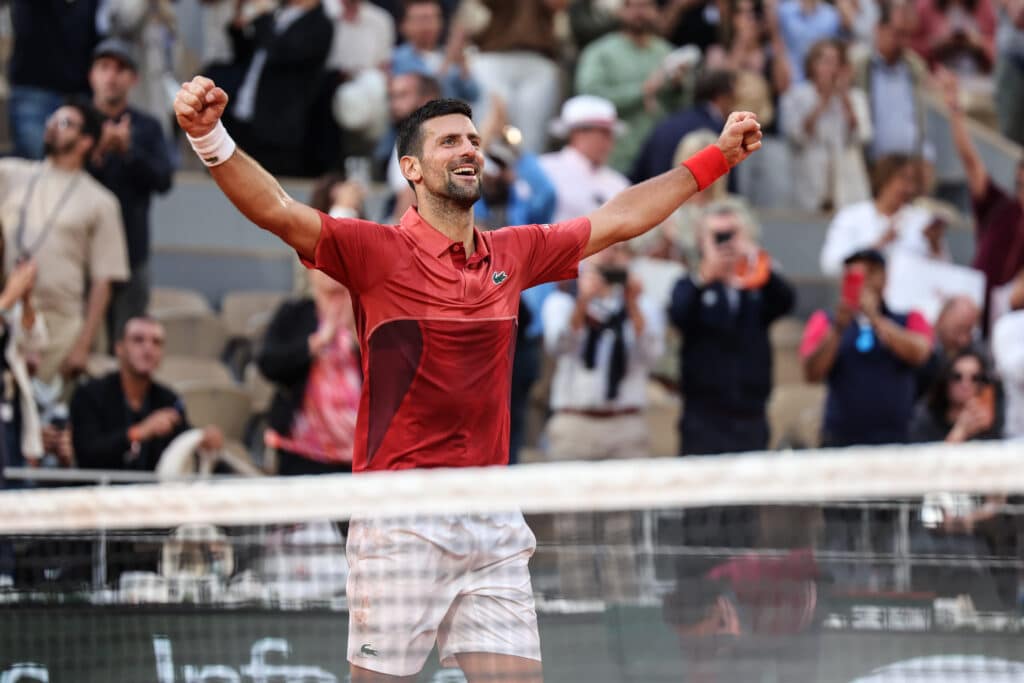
x,y
642,207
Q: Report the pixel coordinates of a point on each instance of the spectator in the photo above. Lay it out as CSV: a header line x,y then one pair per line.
x,y
762,70
998,216
310,352
421,27
1009,76
724,317
151,28
627,68
958,34
583,181
406,93
802,23
868,354
55,212
516,62
827,123
364,36
126,419
285,52
591,19
130,160
886,223
216,16
604,342
714,99
1009,360
893,79
861,18
956,329
961,405
53,41
691,22
22,332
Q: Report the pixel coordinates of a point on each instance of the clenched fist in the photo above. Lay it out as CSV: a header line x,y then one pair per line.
x,y
199,105
740,138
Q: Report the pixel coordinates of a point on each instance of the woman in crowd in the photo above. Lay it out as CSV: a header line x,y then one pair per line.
x,y
311,353
827,123
961,405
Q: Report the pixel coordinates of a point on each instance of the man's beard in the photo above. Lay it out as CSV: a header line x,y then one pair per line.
x,y
52,149
462,195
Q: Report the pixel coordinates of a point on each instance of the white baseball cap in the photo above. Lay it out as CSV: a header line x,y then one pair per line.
x,y
587,111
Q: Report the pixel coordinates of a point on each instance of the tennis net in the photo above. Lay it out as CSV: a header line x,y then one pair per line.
x,y
863,565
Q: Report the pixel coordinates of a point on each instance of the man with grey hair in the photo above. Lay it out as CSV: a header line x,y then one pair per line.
x,y
723,309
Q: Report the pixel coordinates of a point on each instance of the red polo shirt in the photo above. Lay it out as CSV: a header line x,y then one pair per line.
x,y
437,332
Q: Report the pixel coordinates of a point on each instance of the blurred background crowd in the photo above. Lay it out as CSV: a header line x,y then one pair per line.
x,y
860,281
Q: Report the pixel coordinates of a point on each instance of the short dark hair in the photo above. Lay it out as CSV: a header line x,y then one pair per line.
x,y
92,121
410,131
713,83
142,318
816,50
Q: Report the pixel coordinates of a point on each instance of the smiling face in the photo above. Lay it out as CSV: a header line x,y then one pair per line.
x,y
450,165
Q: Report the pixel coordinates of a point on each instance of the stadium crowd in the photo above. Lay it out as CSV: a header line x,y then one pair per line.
x,y
575,101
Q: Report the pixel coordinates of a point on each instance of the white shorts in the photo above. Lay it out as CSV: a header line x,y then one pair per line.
x,y
460,580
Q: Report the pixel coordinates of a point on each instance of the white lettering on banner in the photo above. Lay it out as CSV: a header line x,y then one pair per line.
x,y
27,672
258,670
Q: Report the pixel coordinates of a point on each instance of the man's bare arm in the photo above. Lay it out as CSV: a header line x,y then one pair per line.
x,y
642,207
198,107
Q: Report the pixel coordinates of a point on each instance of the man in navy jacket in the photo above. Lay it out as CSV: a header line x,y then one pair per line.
x,y
726,352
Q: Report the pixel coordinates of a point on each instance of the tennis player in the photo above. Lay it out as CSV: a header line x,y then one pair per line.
x,y
436,301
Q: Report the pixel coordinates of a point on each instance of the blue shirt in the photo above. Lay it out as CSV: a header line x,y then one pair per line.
x,y
454,82
800,31
892,108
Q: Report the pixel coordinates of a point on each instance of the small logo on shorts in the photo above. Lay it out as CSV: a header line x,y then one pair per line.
x,y
368,650
499,277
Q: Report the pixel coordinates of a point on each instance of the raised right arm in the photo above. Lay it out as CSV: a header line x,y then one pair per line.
x,y
198,107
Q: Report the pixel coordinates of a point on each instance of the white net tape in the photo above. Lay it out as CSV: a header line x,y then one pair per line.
x,y
787,477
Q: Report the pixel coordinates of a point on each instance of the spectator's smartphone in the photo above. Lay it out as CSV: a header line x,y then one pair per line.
x,y
853,283
987,398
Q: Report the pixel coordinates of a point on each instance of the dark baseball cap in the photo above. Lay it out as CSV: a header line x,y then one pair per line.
x,y
865,256
119,49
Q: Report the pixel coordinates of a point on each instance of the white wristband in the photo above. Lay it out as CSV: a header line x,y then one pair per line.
x,y
215,147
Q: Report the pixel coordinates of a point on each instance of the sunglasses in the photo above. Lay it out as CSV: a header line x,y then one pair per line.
x,y
975,378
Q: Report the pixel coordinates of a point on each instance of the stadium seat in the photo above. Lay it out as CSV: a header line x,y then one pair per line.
x,y
260,390
794,415
182,371
164,300
193,333
785,336
216,404
246,313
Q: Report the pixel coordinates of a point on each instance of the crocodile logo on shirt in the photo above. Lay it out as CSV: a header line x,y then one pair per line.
x,y
368,650
499,277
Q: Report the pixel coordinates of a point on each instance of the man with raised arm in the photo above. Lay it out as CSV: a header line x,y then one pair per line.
x,y
436,302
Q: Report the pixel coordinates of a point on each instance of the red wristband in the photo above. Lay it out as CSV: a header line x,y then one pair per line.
x,y
707,166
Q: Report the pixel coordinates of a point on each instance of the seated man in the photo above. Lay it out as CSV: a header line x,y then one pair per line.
x,y
126,419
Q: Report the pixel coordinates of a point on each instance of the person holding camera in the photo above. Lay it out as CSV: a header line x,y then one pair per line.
x,y
604,341
723,309
868,355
